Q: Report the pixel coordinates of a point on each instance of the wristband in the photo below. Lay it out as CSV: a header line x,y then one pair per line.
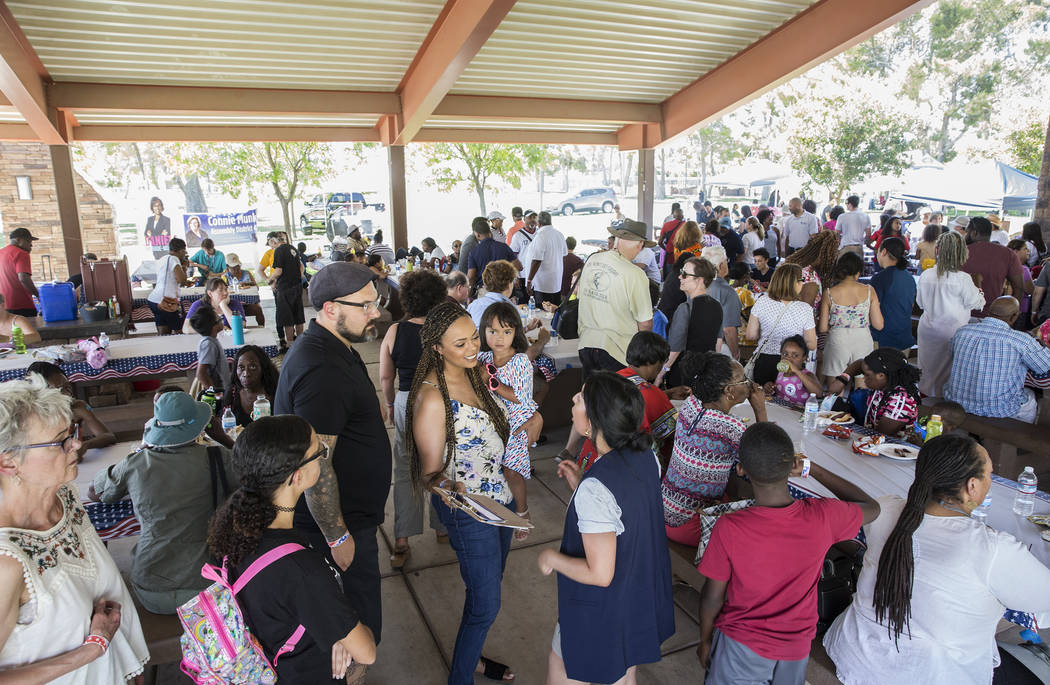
x,y
844,378
666,369
97,640
806,466
341,540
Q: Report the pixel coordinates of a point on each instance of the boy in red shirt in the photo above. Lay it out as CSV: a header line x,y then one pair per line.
x,y
758,608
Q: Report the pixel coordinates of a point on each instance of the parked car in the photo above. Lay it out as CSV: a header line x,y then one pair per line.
x,y
587,200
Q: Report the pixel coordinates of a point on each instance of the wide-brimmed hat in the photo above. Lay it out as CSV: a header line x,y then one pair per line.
x,y
177,419
996,221
232,259
961,221
629,229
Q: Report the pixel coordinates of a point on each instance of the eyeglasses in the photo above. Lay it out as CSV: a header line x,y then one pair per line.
x,y
369,307
319,454
729,385
66,443
686,274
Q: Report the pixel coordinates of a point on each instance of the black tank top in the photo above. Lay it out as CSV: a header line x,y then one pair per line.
x,y
407,350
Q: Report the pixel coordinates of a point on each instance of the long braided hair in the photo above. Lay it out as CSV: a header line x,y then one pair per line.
x,y
945,465
821,252
438,321
899,373
265,455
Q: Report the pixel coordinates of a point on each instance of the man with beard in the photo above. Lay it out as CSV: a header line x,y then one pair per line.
x,y
324,380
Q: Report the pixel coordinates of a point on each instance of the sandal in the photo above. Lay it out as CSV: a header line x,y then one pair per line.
x,y
494,670
400,555
523,533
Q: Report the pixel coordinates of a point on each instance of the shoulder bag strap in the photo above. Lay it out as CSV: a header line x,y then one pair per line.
x,y
264,561
216,467
750,368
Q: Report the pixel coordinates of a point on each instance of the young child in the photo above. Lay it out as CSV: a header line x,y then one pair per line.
x,y
212,368
758,618
503,344
796,384
740,278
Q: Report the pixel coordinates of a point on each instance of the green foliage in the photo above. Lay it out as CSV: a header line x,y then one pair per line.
x,y
1025,146
474,164
844,145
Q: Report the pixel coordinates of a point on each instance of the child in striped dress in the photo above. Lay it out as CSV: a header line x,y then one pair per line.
x,y
503,345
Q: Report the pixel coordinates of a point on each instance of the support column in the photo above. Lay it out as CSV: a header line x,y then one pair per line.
x,y
68,211
646,187
398,206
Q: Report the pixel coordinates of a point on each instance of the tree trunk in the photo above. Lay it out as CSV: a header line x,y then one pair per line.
x,y
479,188
195,202
1042,197
138,159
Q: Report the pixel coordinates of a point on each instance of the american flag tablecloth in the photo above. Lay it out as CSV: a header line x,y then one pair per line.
x,y
113,520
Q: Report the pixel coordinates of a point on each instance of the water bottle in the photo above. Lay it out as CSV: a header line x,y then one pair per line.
x,y
812,409
237,326
532,306
229,421
103,340
19,339
981,512
1024,503
260,408
116,306
524,316
554,335
933,427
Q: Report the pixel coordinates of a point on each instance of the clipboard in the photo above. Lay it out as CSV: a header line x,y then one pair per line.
x,y
483,509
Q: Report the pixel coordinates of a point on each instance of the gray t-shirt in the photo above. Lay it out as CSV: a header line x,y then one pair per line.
x,y
210,352
730,301
1043,281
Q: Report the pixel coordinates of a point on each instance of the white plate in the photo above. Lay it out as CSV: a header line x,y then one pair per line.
x,y
886,449
825,416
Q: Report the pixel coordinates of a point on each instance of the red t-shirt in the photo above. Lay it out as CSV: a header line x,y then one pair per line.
x,y
13,261
771,558
995,263
877,238
669,229
659,420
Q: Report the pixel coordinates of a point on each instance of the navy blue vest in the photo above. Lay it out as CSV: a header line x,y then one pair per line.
x,y
606,630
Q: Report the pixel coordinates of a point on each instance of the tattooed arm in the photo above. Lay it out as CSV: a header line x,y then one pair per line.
x,y
323,501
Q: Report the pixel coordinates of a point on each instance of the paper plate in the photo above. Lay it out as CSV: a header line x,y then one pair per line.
x,y
898,451
826,416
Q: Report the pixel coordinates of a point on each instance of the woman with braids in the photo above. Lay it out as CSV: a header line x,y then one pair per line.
x,y
614,573
945,294
457,430
891,402
817,259
277,457
935,582
896,290
254,374
706,442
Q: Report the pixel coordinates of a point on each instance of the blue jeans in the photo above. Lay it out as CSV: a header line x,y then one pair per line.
x,y
482,552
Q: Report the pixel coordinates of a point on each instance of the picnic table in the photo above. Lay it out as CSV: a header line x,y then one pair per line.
x,y
78,329
115,520
143,356
140,310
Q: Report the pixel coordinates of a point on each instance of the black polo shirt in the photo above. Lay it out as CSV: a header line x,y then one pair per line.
x,y
326,383
286,258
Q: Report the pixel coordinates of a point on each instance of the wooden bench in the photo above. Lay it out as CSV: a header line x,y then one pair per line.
x,y
1003,438
682,566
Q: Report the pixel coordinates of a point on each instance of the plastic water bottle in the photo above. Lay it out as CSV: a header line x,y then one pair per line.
x,y
933,427
532,306
103,340
18,338
1024,503
981,512
229,421
554,335
260,408
812,409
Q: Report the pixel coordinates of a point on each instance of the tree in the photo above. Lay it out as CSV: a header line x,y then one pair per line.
x,y
840,145
150,166
1025,146
956,61
474,164
1042,198
285,168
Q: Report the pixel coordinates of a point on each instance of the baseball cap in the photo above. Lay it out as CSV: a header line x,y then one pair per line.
x,y
232,259
338,279
529,212
22,233
961,221
495,215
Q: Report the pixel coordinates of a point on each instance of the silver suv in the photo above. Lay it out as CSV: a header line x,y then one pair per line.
x,y
588,200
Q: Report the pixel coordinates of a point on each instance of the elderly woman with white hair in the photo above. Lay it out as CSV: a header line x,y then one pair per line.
x,y
727,298
61,595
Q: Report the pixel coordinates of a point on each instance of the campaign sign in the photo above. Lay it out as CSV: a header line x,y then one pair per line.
x,y
223,229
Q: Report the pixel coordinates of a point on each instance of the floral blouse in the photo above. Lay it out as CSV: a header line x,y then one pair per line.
x,y
478,460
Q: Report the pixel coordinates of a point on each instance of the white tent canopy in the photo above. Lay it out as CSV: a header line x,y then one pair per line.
x,y
987,185
761,172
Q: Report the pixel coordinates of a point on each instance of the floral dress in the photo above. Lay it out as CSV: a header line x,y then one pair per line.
x,y
478,459
517,373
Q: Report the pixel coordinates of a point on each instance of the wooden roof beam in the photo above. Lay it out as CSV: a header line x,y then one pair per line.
x,y
225,134
548,109
23,78
460,31
101,97
513,136
813,36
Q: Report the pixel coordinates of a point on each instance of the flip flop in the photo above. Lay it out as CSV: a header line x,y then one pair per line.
x,y
494,670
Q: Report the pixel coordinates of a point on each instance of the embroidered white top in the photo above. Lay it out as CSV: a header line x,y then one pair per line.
x,y
67,569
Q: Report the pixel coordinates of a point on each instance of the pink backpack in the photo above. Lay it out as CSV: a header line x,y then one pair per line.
x,y
217,647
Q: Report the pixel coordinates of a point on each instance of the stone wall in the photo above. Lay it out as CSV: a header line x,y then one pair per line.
x,y
40,215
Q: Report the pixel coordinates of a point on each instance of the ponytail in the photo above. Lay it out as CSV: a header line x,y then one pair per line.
x,y
238,525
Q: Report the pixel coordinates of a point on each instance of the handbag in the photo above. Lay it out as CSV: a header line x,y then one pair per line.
x,y
168,304
567,319
218,477
749,368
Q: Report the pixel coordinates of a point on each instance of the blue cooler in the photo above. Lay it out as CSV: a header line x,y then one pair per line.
x,y
58,302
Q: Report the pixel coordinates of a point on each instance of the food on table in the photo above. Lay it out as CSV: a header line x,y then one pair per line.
x,y
1040,520
868,445
837,431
